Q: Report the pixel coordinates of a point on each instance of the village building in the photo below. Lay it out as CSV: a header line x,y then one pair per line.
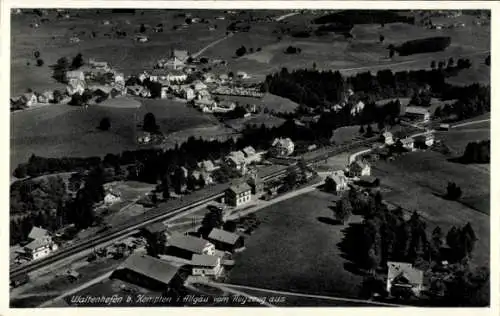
x,y
75,86
178,59
141,38
40,244
427,139
198,85
226,105
226,241
338,181
360,168
188,93
46,97
255,182
388,138
99,65
154,230
357,108
206,265
242,75
112,198
403,279
203,95
184,246
282,147
408,143
144,137
238,194
236,160
417,113
29,99
149,272
208,77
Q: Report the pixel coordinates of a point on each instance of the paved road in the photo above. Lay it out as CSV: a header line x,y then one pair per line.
x,y
285,16
471,123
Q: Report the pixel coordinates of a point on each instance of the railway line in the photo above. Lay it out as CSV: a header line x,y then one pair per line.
x,y
129,229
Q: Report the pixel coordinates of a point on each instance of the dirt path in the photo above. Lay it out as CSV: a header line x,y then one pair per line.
x,y
471,123
201,51
330,298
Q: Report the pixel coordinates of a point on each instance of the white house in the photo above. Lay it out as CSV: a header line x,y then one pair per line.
x,y
340,180
29,99
111,198
236,160
402,276
360,168
408,143
176,77
418,113
238,194
100,65
178,59
206,265
188,93
46,97
41,244
357,108
75,74
207,166
388,138
144,138
282,147
251,155
198,86
242,75
141,38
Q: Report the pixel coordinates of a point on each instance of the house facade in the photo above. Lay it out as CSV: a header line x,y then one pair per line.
x,y
238,194
338,180
226,241
40,245
206,265
403,279
111,198
388,138
236,160
408,143
360,168
418,113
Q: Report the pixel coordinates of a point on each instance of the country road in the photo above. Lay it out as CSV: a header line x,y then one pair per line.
x,y
471,123
212,44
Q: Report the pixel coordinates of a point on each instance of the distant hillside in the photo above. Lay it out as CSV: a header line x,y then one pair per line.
x,y
350,17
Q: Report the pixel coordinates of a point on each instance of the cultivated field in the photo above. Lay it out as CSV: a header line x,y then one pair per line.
x,y
294,251
417,181
259,119
269,101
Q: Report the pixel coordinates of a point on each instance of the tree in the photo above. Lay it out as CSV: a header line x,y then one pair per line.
x,y
343,210
369,131
39,62
436,241
36,54
451,62
391,52
487,61
380,125
142,28
156,244
361,129
453,191
58,96
60,69
149,124
441,65
165,186
241,51
291,177
381,38
105,124
213,219
314,66
230,226
77,62
433,64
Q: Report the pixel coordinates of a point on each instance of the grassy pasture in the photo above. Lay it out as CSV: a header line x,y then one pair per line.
x,y
416,182
268,101
259,119
293,251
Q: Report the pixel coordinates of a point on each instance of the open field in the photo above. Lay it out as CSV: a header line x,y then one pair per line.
x,y
417,181
293,251
259,119
457,139
269,101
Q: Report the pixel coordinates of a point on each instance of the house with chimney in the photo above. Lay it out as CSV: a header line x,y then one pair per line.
x,y
404,280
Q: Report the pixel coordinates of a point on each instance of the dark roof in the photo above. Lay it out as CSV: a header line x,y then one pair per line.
x,y
205,261
189,243
156,228
223,236
37,232
240,188
151,267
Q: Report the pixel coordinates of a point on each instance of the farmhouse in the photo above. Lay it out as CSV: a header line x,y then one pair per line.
x,y
41,244
144,137
149,272
154,229
408,143
357,108
403,279
226,241
369,181
99,65
178,59
198,85
188,93
111,198
206,265
238,194
236,160
75,74
282,147
141,38
255,182
388,139
29,99
427,138
183,246
242,75
337,181
418,113
360,168
46,97
75,86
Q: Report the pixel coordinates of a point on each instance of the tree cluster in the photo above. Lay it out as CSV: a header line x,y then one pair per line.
x,y
425,45
453,191
477,152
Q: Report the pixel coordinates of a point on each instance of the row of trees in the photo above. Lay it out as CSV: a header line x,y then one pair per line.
x,y
477,152
63,65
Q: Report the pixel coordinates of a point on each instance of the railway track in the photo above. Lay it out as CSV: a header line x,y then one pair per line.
x,y
129,229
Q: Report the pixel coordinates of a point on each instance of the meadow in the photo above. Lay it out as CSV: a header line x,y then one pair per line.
x,y
293,251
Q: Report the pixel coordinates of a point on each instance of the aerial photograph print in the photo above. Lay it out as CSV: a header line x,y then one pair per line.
x,y
249,157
